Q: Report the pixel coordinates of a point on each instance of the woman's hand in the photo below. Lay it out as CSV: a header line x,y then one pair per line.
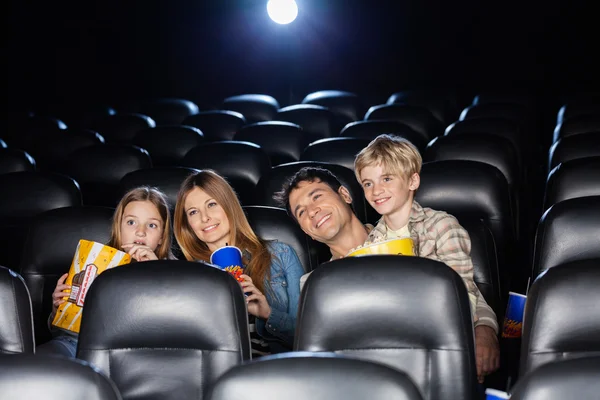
x,y
257,302
139,252
60,292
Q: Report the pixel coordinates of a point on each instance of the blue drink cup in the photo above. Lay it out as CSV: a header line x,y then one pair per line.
x,y
513,320
493,394
228,258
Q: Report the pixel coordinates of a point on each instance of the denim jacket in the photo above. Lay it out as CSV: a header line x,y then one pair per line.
x,y
284,294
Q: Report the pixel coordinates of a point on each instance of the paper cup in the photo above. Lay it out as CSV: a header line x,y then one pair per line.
x,y
228,258
513,320
401,247
90,260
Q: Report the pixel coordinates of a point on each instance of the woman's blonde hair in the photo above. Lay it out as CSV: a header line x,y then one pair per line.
x,y
258,263
156,197
396,155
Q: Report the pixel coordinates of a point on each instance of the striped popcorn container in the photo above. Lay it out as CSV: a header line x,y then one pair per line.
x,y
90,260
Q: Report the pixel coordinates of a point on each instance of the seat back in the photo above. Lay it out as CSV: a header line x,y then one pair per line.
x,y
15,160
306,375
166,111
122,128
409,313
174,327
54,235
340,102
168,145
27,376
16,321
420,119
562,318
317,121
572,179
369,130
217,125
577,126
340,150
254,107
574,147
440,105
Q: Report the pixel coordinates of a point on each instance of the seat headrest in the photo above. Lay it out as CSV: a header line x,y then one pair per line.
x,y
165,304
344,103
16,318
575,178
283,141
370,289
369,130
168,110
574,147
15,160
576,126
121,128
488,125
317,121
418,118
254,107
306,375
340,150
217,125
27,376
168,145
568,231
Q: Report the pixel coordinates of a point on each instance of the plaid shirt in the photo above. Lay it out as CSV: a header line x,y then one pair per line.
x,y
437,235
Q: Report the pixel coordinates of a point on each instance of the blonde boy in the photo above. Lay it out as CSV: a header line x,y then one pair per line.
x,y
388,170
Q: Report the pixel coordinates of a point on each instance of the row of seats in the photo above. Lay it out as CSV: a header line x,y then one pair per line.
x,y
159,337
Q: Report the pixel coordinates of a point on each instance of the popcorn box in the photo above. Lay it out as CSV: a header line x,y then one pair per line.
x,y
401,247
90,260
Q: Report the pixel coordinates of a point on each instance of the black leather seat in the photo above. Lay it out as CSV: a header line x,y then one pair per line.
x,y
3,144
167,111
272,223
562,317
122,128
167,145
574,147
409,313
577,126
318,122
174,327
54,235
15,160
473,190
254,107
340,150
513,97
16,327
217,125
53,378
306,376
282,141
22,133
241,163
343,103
577,109
418,118
273,181
99,169
572,179
24,195
511,111
568,231
369,130
574,379
440,105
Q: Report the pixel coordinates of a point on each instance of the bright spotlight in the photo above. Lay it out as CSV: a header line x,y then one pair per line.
x,y
282,11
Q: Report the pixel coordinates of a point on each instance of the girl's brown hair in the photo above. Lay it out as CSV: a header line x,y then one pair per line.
x,y
159,200
258,264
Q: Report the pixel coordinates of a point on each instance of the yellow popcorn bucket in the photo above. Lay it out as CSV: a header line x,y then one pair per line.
x,y
90,260
401,247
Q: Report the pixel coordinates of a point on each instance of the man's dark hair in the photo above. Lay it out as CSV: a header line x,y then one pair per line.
x,y
306,174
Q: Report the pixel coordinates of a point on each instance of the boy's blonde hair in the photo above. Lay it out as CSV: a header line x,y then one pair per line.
x,y
396,155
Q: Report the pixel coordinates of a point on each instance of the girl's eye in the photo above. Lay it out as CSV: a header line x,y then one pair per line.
x,y
153,226
130,222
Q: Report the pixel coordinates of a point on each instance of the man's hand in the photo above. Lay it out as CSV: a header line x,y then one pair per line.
x,y
487,351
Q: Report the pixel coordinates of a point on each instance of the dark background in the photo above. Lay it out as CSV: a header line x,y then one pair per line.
x,y
120,51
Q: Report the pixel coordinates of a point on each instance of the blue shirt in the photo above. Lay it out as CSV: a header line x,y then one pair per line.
x,y
284,294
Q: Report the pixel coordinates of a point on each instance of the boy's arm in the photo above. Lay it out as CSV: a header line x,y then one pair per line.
x,y
485,315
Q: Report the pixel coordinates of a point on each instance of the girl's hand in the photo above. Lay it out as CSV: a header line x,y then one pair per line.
x,y
139,252
60,292
257,302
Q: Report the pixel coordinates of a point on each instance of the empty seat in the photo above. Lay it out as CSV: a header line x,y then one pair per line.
x,y
122,128
84,115
241,163
317,121
98,170
24,195
440,105
369,130
366,307
54,235
16,321
167,145
568,231
512,112
562,317
341,150
53,378
575,178
418,118
343,103
576,379
574,147
167,179
14,160
254,107
577,126
3,144
519,98
282,141
577,109
305,376
273,181
24,132
217,125
167,111
272,223
174,328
